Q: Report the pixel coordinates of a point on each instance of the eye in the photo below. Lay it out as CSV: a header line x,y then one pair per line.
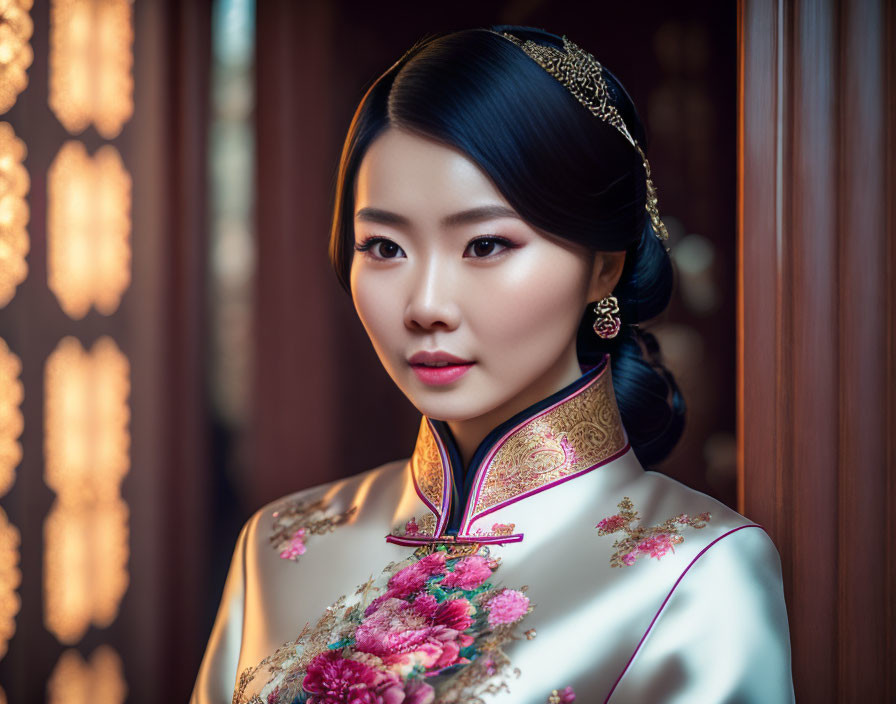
x,y
483,247
380,248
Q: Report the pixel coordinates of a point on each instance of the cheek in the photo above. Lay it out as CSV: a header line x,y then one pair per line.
x,y
371,297
534,306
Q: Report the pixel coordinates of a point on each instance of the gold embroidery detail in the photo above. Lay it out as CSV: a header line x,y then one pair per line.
x,y
424,528
298,519
487,674
426,464
583,77
562,697
295,655
574,436
645,541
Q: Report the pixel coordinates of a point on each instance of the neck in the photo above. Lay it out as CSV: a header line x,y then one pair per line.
x,y
468,434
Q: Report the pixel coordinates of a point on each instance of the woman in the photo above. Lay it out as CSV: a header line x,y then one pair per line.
x,y
496,226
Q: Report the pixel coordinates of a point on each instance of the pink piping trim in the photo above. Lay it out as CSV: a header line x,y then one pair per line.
x,y
616,455
482,467
666,600
461,539
422,498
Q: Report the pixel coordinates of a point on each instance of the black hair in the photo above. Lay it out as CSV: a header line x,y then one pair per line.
x,y
562,169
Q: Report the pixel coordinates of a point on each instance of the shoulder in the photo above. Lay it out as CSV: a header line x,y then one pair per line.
x,y
326,506
737,550
722,593
668,494
658,516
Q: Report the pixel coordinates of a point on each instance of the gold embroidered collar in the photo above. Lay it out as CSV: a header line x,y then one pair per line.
x,y
573,431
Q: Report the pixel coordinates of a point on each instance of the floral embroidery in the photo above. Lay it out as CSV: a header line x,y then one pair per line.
x,y
507,606
424,528
498,529
294,523
641,541
564,696
433,624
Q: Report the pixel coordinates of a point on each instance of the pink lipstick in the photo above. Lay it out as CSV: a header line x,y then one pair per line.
x,y
438,368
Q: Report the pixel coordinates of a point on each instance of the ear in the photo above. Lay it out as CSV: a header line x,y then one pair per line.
x,y
605,274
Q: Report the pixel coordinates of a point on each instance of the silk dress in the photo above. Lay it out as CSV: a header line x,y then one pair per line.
x,y
554,568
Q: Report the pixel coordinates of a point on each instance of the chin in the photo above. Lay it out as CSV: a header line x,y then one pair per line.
x,y
454,405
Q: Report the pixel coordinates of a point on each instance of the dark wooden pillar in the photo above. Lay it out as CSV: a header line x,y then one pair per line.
x,y
817,366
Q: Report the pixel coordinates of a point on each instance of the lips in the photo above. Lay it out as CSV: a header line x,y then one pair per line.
x,y
438,368
436,358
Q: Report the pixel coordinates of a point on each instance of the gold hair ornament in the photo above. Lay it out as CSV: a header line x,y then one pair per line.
x,y
583,76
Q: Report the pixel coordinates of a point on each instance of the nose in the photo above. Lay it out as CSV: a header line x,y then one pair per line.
x,y
431,303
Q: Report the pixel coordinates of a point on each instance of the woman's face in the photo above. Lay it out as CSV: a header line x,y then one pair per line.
x,y
472,312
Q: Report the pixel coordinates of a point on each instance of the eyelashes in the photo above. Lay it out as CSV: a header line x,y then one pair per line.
x,y
368,244
484,246
481,247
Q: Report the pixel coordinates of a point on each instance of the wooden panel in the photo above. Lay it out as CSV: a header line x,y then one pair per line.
x,y
862,292
812,239
888,375
816,319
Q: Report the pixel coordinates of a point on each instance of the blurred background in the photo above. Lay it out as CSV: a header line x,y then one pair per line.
x,y
175,351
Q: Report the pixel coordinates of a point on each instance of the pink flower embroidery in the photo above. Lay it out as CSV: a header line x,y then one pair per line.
x,y
611,524
423,633
469,573
295,547
645,541
415,692
436,611
332,679
296,520
413,577
507,606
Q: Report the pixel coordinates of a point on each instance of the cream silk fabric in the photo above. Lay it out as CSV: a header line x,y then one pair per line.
x,y
702,620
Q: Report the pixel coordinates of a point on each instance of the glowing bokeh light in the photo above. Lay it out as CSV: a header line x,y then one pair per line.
x,y
99,681
10,578
88,229
86,453
91,59
16,28
11,420
14,212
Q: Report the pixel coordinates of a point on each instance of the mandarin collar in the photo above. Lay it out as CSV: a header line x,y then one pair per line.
x,y
569,433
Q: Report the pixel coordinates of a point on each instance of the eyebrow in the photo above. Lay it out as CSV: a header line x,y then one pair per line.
x,y
464,217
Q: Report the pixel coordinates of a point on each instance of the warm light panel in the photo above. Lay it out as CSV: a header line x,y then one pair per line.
x,y
11,421
16,55
100,681
88,229
86,452
10,578
11,425
91,59
14,212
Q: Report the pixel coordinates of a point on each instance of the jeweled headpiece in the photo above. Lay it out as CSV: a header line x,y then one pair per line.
x,y
583,76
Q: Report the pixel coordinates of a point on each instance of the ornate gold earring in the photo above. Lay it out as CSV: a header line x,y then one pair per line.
x,y
607,323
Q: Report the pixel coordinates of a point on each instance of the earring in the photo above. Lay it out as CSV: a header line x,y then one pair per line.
x,y
608,322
